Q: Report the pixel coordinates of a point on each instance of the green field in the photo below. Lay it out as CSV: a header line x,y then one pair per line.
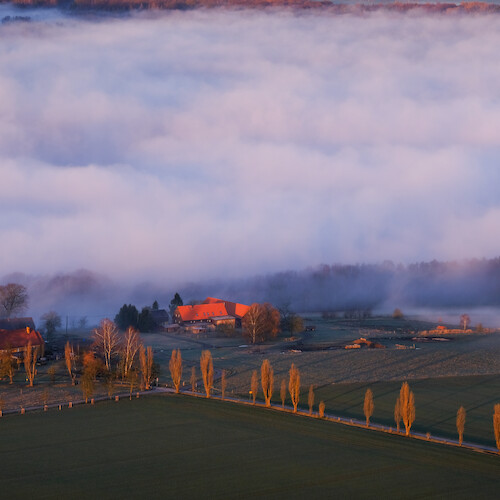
x,y
437,401
182,447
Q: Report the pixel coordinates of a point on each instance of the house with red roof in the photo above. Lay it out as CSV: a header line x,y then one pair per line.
x,y
18,339
211,311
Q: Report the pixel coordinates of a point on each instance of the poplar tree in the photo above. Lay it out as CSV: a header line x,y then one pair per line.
x,y
294,386
283,392
496,425
407,404
267,381
175,366
368,406
207,371
461,424
310,399
193,379
254,385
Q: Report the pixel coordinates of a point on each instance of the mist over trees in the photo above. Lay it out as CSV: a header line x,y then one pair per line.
x,y
472,283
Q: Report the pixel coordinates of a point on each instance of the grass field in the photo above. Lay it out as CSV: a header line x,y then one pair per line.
x,y
181,447
437,401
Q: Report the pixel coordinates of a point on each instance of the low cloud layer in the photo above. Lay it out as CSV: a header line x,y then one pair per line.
x,y
189,145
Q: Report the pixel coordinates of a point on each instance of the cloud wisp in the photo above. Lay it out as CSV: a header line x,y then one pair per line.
x,y
190,145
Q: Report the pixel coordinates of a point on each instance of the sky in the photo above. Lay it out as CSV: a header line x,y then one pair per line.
x,y
185,146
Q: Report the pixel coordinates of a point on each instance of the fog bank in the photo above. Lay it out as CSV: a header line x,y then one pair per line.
x,y
192,146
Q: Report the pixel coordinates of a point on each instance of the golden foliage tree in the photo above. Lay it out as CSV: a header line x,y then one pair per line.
x,y
193,379
87,386
107,340
407,405
397,414
261,322
310,399
267,381
30,357
496,424
207,371
283,392
321,409
461,424
223,384
294,386
175,366
254,385
68,359
91,365
146,361
7,365
90,370
129,349
368,406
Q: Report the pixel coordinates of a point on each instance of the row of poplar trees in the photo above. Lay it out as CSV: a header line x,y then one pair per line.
x,y
404,409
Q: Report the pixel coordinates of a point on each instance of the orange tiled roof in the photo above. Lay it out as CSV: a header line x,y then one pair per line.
x,y
200,312
212,307
16,339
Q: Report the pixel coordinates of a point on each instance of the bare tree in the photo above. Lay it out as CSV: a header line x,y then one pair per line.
x,y
283,392
368,406
51,322
496,425
267,381
107,340
130,348
193,379
254,385
207,371
407,404
321,409
175,366
294,386
223,384
461,424
146,361
310,399
261,322
13,299
30,357
464,321
68,358
397,414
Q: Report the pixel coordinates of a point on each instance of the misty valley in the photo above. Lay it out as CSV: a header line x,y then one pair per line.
x,y
250,248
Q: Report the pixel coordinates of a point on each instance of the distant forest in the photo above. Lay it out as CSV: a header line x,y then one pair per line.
x,y
472,283
346,8
337,287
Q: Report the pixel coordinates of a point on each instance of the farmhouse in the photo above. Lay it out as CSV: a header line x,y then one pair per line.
x,y
211,311
18,339
16,323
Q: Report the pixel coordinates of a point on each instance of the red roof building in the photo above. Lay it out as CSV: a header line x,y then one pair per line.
x,y
209,309
17,340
